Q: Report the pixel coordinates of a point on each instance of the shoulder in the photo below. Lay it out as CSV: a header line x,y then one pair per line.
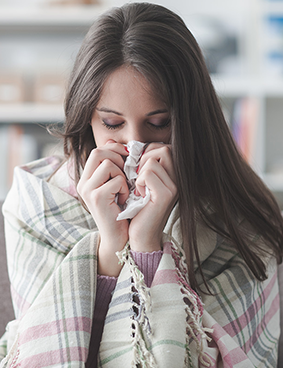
x,y
42,187
31,181
43,168
54,170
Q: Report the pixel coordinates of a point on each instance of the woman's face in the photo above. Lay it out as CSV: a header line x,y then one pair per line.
x,y
129,110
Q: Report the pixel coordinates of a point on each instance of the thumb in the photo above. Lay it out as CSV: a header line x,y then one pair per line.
x,y
111,141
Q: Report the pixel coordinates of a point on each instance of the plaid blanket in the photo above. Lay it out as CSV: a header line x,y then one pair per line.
x,y
51,251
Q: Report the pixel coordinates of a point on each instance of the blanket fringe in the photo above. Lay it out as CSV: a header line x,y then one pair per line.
x,y
193,307
195,329
142,356
12,354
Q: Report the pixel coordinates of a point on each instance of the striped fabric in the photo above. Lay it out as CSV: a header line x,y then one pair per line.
x,y
51,251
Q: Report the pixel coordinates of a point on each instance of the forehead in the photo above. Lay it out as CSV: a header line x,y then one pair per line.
x,y
127,83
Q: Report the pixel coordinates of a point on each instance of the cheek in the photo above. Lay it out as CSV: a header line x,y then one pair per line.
x,y
101,136
97,135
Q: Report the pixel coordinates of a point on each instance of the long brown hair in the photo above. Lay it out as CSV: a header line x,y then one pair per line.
x,y
209,169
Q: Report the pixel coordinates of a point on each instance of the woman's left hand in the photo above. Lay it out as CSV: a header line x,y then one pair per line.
x,y
156,172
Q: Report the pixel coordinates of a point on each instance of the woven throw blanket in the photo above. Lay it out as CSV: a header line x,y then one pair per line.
x,y
51,251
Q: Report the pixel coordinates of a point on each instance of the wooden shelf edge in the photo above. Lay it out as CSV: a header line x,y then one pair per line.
x,y
227,86
50,15
31,113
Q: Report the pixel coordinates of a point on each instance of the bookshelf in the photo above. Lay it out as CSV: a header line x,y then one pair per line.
x,y
38,45
60,29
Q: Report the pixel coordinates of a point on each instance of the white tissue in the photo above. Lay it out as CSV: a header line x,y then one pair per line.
x,y
134,203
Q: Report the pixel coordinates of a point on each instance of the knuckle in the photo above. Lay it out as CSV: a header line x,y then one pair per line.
x,y
107,163
166,192
92,156
93,152
151,161
147,174
121,181
166,150
96,153
96,197
169,192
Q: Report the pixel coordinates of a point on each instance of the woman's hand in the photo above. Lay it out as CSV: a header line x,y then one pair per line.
x,y
155,171
101,180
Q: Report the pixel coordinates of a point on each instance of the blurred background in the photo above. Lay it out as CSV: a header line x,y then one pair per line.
x,y
242,42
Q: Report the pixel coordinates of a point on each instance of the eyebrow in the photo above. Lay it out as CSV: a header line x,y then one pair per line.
x,y
105,109
157,112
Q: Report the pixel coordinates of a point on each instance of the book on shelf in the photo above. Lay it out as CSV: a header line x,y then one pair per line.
x,y
17,148
273,46
245,125
20,145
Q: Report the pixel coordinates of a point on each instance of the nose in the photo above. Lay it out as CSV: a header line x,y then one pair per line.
x,y
135,135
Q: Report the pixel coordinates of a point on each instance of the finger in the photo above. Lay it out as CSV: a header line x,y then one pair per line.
x,y
162,154
102,202
116,186
152,165
105,172
153,146
105,194
158,191
98,155
116,147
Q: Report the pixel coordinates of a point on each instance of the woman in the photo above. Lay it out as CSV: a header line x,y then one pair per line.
x,y
198,286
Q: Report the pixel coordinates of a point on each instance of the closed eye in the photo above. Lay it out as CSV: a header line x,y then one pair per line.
x,y
164,124
111,125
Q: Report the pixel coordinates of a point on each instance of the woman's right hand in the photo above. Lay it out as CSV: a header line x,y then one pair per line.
x,y
102,179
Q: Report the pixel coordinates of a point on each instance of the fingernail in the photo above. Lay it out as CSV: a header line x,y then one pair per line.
x,y
137,169
127,149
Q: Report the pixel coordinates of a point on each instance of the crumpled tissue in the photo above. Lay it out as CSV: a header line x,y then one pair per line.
x,y
134,203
